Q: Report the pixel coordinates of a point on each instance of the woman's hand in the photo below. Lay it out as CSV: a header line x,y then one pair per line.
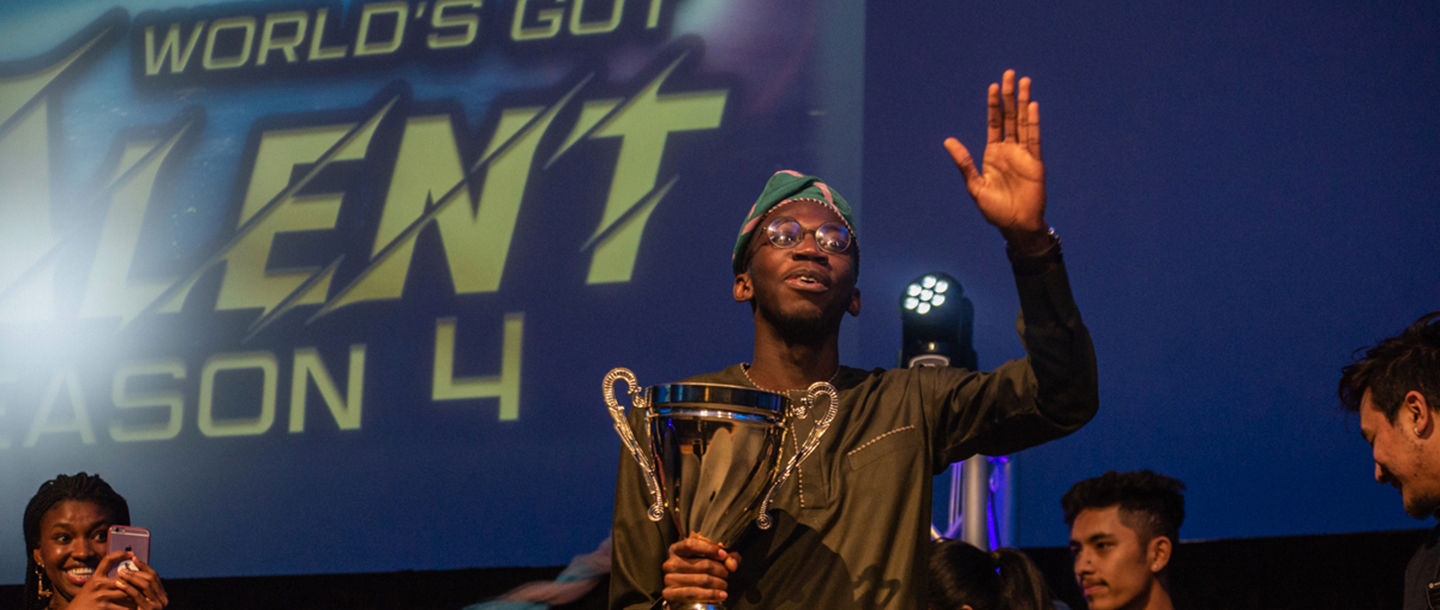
x,y
142,586
139,589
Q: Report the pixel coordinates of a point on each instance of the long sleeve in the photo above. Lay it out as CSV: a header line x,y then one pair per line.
x,y
851,523
1050,393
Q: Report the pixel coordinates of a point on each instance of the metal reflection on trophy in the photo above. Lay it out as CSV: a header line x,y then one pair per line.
x,y
714,451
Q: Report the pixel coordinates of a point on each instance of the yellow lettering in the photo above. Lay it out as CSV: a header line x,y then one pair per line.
x,y
505,386
261,361
170,49
25,233
439,19
427,166
476,243
363,46
171,399
652,19
549,18
244,23
68,381
268,41
309,366
643,123
579,27
318,50
248,283
26,236
109,289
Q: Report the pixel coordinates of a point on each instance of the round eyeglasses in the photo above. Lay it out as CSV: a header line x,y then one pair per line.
x,y
786,232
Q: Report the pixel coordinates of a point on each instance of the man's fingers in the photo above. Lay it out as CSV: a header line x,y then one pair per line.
x,y
1033,112
1007,101
994,117
688,594
963,160
695,581
698,565
698,547
1022,114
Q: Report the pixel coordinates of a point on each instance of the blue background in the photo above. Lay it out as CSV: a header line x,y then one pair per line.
x,y
1246,194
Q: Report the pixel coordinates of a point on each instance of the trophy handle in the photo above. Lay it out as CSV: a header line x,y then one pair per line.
x,y
801,410
627,436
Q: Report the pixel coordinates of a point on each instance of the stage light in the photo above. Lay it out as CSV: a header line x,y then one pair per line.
x,y
937,321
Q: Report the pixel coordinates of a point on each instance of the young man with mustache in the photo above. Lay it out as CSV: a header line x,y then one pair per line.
x,y
1123,531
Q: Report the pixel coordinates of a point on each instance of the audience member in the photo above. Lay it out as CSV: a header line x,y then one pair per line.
x,y
963,577
66,525
1123,530
1395,388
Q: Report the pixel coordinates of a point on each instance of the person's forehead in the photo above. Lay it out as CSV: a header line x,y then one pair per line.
x,y
1093,521
75,512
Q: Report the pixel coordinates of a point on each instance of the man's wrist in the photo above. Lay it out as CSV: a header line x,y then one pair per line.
x,y
1030,243
1034,253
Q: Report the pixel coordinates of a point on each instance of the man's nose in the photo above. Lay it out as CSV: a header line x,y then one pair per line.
x,y
809,247
1379,473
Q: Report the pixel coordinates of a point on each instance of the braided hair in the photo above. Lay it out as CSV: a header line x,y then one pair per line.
x,y
82,487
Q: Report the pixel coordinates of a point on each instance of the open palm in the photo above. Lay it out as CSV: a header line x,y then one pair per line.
x,y
1010,188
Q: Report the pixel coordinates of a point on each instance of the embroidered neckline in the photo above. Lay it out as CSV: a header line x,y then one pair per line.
x,y
745,369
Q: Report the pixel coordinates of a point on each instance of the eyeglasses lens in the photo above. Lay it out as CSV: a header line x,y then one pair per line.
x,y
785,233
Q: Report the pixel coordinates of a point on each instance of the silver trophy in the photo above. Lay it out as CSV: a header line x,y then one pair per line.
x,y
714,455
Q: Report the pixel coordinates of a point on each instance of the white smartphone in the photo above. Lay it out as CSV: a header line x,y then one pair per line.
x,y
133,539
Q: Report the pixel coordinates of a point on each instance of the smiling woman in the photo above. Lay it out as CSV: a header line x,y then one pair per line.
x,y
66,530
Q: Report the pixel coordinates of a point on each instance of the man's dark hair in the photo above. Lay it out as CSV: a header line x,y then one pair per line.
x,y
1395,366
81,487
961,575
1150,503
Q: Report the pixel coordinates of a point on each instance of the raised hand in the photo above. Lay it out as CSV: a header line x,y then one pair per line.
x,y
1009,190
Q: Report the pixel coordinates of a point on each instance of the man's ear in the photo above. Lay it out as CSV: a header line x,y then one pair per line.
x,y
1157,553
1417,409
743,290
854,307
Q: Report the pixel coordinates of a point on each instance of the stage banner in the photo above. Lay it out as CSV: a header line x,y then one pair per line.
x,y
331,286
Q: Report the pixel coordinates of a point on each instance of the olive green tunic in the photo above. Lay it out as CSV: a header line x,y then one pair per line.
x,y
852,528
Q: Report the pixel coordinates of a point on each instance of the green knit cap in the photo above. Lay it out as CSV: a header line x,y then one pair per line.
x,y
782,188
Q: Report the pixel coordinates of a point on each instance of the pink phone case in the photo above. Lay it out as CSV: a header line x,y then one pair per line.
x,y
127,538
